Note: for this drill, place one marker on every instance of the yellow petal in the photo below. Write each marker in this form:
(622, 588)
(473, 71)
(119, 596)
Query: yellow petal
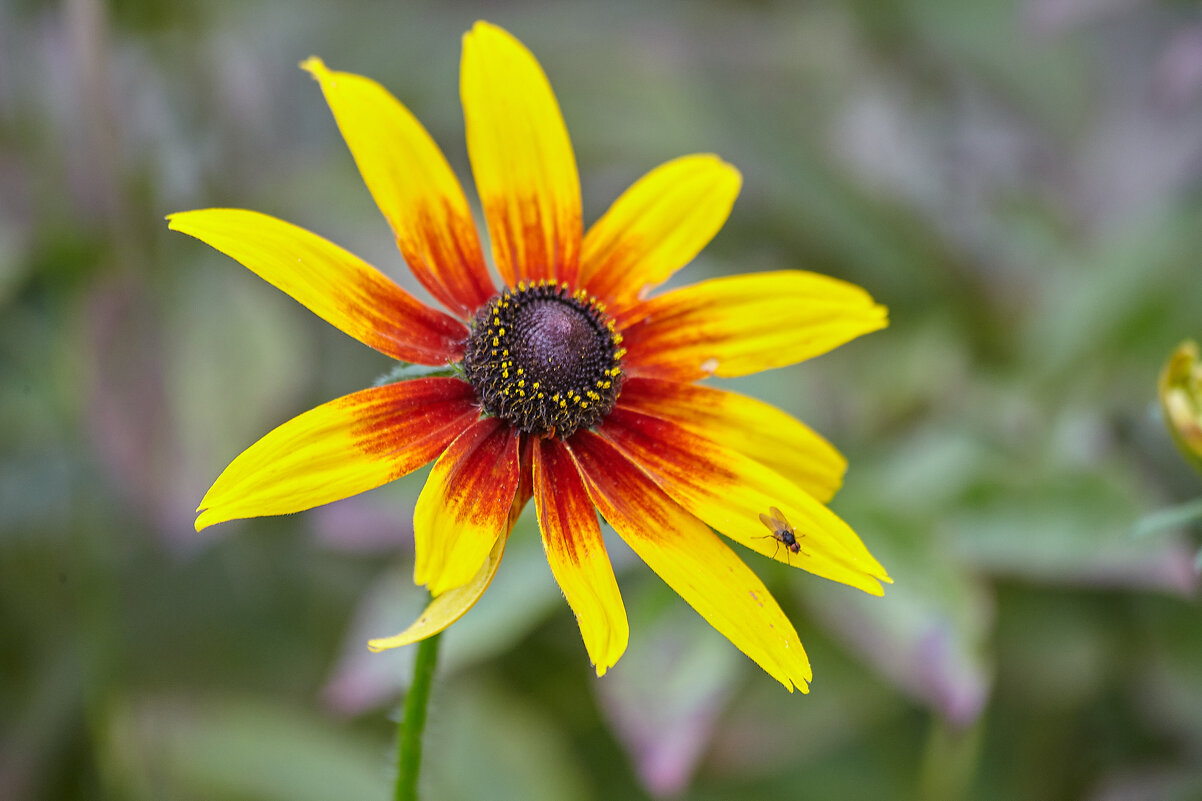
(465, 505)
(691, 560)
(749, 426)
(453, 604)
(337, 286)
(414, 187)
(656, 227)
(576, 554)
(522, 158)
(445, 609)
(729, 491)
(342, 448)
(743, 324)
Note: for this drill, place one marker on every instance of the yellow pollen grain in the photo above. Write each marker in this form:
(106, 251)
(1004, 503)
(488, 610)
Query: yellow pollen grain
(495, 342)
(501, 332)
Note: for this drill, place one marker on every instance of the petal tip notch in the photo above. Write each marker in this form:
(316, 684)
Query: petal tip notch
(175, 218)
(204, 519)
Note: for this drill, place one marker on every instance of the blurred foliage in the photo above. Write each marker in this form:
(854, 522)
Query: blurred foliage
(1019, 182)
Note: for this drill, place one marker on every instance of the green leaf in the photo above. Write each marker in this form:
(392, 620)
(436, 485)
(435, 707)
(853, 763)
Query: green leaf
(1172, 517)
(247, 748)
(405, 371)
(485, 743)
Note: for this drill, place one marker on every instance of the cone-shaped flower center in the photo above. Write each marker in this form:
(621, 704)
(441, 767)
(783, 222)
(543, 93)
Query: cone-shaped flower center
(545, 360)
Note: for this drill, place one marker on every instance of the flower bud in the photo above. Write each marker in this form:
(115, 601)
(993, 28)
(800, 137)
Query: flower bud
(1181, 400)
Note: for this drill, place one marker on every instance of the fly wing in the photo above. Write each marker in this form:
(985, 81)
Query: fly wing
(778, 519)
(769, 522)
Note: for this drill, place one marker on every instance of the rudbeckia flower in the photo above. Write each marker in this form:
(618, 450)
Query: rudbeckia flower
(571, 383)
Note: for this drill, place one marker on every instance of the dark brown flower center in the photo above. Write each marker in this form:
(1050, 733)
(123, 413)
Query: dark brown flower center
(544, 359)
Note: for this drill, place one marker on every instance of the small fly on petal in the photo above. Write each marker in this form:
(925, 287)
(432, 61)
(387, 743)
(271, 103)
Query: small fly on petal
(782, 532)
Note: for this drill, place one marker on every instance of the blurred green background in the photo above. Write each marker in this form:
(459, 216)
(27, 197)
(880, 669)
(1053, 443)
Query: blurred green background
(1020, 182)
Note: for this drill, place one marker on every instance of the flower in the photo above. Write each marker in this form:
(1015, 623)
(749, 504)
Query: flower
(1181, 400)
(571, 384)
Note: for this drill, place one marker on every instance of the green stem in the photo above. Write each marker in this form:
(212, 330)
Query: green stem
(949, 761)
(413, 721)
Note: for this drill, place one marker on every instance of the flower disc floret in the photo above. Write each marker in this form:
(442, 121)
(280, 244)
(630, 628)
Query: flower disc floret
(545, 359)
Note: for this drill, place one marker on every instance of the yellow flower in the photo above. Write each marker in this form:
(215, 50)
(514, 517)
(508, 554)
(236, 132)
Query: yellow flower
(569, 383)
(1181, 400)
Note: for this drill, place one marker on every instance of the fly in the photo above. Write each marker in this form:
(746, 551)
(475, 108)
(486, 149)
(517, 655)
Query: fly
(782, 532)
